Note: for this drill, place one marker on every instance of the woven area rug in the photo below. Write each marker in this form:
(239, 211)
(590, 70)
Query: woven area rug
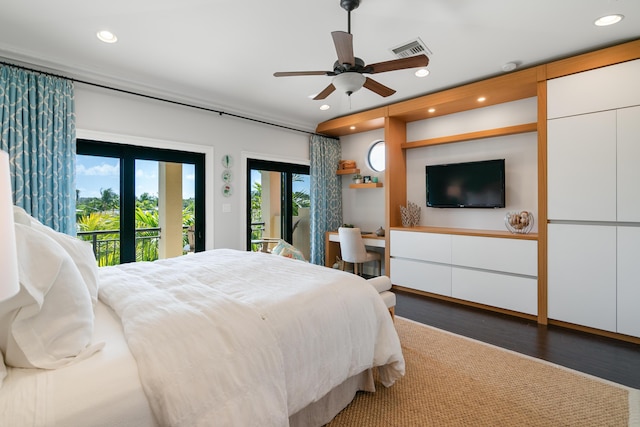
(456, 381)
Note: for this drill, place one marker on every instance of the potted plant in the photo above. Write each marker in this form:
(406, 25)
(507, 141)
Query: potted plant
(357, 178)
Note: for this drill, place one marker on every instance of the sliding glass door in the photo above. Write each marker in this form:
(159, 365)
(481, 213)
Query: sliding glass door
(139, 204)
(277, 205)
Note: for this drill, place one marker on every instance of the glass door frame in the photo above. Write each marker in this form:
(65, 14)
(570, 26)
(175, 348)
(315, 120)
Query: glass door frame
(286, 199)
(128, 154)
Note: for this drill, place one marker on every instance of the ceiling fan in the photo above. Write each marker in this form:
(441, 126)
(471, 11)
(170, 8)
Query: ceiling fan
(348, 69)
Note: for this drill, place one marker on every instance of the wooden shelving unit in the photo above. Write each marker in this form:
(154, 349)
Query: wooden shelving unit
(489, 133)
(368, 185)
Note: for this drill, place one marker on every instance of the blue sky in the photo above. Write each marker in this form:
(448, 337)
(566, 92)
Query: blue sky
(94, 173)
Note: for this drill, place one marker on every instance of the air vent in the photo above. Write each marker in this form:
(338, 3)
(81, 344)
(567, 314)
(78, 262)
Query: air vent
(411, 48)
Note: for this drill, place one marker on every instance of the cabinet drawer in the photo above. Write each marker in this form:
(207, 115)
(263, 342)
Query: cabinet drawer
(492, 253)
(422, 246)
(499, 290)
(423, 276)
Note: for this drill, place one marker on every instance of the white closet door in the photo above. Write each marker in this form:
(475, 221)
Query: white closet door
(581, 156)
(629, 164)
(629, 281)
(582, 275)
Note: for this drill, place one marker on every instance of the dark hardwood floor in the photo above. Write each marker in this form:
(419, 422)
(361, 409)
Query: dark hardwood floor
(607, 358)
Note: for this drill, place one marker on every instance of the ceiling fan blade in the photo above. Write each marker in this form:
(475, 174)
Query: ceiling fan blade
(303, 73)
(398, 64)
(344, 47)
(378, 88)
(326, 92)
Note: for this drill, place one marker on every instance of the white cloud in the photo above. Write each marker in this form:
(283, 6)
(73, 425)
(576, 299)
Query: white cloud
(98, 170)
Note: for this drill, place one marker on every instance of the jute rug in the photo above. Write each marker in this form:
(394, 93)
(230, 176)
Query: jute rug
(456, 381)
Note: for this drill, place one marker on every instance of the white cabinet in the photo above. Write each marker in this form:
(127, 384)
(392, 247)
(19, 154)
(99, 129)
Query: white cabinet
(581, 167)
(421, 261)
(593, 153)
(628, 161)
(495, 271)
(606, 88)
(582, 275)
(628, 269)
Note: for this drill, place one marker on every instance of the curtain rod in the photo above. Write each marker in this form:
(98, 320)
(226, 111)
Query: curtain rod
(156, 98)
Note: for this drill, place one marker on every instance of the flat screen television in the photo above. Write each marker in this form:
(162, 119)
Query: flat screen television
(466, 185)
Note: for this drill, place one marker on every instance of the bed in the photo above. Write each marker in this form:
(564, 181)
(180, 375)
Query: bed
(221, 337)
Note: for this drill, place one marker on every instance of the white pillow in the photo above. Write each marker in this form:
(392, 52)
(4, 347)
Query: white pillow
(81, 252)
(49, 324)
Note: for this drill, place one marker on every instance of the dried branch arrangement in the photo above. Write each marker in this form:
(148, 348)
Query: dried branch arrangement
(410, 215)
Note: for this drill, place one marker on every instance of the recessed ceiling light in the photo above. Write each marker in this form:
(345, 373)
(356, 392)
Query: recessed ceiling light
(352, 127)
(324, 107)
(431, 110)
(422, 72)
(482, 99)
(107, 36)
(608, 20)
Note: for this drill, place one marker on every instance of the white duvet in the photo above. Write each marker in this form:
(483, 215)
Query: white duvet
(232, 338)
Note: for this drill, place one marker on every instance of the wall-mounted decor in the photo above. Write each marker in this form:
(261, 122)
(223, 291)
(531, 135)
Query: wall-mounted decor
(227, 176)
(227, 190)
(227, 161)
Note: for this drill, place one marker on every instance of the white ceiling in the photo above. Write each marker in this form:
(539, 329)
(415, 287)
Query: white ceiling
(222, 54)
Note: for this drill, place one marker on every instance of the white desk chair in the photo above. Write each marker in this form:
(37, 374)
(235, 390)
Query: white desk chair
(354, 251)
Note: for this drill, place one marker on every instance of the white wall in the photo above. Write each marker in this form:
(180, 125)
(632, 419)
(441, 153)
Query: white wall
(363, 207)
(519, 152)
(113, 116)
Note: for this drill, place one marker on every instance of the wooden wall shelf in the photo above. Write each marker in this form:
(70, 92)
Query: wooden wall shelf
(489, 133)
(347, 171)
(368, 185)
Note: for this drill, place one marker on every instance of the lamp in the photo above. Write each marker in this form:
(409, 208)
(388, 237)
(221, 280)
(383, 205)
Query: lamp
(9, 285)
(349, 82)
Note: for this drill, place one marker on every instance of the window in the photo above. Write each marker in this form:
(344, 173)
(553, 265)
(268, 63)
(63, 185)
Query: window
(139, 204)
(376, 156)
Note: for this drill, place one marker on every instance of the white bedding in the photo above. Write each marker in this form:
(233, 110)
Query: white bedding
(203, 328)
(101, 391)
(251, 338)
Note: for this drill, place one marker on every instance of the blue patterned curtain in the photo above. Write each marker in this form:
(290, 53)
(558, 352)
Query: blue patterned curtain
(326, 192)
(37, 129)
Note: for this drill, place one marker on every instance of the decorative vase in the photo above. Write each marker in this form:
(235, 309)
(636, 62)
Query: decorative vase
(380, 232)
(410, 215)
(519, 222)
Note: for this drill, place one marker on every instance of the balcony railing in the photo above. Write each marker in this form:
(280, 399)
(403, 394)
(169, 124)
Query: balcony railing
(106, 244)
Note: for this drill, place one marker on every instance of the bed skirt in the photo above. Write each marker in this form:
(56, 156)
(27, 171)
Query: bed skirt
(324, 410)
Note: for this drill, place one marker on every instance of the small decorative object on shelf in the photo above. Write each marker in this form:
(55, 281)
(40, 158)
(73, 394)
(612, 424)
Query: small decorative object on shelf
(357, 178)
(347, 164)
(410, 215)
(519, 222)
(380, 232)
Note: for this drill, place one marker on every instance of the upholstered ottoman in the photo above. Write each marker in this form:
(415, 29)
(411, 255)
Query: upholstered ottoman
(382, 284)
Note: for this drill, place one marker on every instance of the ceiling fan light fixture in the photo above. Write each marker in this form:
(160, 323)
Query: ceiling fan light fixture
(349, 82)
